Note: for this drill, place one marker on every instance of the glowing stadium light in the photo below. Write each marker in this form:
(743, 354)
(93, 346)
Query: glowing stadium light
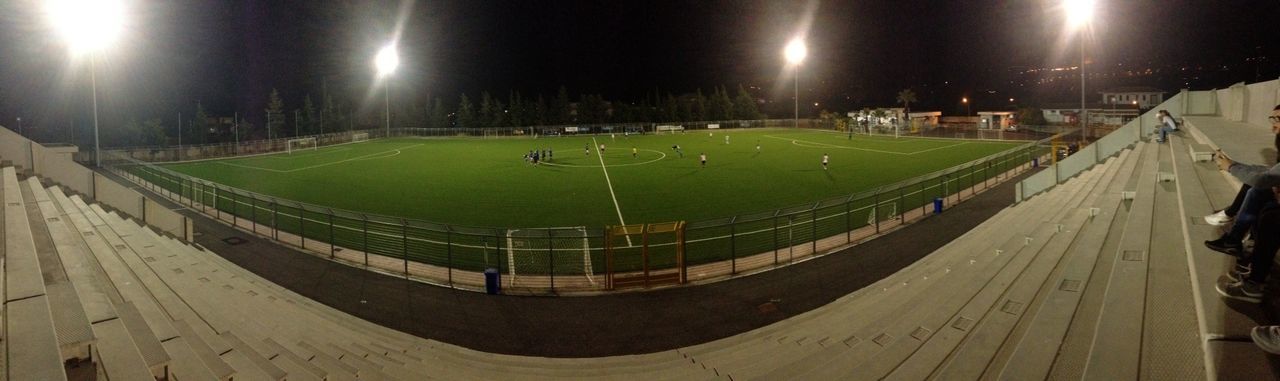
(1079, 12)
(795, 51)
(387, 60)
(87, 25)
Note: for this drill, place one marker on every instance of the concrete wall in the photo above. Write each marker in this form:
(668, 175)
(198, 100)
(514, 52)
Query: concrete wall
(56, 164)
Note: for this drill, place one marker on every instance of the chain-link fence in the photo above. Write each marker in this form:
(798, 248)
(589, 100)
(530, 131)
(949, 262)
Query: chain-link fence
(574, 259)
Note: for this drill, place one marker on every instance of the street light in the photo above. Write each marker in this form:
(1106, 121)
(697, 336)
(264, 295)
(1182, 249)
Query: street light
(965, 100)
(88, 27)
(386, 62)
(795, 53)
(19, 126)
(1079, 14)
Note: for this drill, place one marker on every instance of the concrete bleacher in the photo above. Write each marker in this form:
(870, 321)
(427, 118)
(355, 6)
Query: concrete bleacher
(1003, 300)
(1100, 277)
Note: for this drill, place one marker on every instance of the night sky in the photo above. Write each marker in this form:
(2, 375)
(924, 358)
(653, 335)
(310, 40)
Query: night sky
(229, 55)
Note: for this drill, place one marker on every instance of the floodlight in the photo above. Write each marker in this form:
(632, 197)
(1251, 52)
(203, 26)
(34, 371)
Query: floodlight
(87, 25)
(1079, 12)
(386, 60)
(795, 51)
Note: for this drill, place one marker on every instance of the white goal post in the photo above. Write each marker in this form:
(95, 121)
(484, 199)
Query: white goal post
(530, 253)
(668, 128)
(301, 144)
(360, 137)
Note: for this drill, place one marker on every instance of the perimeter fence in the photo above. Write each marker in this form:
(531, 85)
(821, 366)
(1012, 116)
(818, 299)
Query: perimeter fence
(577, 259)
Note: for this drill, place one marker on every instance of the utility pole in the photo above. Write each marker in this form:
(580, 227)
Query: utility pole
(235, 126)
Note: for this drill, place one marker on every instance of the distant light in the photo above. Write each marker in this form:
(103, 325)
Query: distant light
(815, 104)
(87, 25)
(1011, 99)
(1079, 12)
(387, 60)
(796, 51)
(964, 100)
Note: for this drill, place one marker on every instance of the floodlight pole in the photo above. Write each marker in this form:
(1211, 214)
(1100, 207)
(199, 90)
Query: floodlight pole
(1084, 112)
(19, 126)
(179, 136)
(93, 84)
(386, 87)
(797, 100)
(235, 127)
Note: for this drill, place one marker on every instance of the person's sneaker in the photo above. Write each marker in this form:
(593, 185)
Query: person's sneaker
(1225, 246)
(1245, 291)
(1218, 218)
(1267, 338)
(1238, 273)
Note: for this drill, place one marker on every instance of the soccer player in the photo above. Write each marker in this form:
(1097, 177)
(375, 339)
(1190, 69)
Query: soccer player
(586, 149)
(678, 150)
(726, 138)
(825, 159)
(601, 149)
(757, 146)
(703, 156)
(633, 152)
(550, 154)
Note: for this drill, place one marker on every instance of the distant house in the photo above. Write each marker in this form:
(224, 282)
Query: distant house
(1099, 113)
(995, 120)
(1144, 97)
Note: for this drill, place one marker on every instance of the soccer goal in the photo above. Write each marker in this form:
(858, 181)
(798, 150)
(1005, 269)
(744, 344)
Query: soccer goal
(301, 144)
(360, 137)
(535, 256)
(668, 129)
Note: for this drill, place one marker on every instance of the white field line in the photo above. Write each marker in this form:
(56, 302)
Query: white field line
(318, 152)
(746, 233)
(600, 155)
(368, 156)
(828, 145)
(244, 156)
(664, 156)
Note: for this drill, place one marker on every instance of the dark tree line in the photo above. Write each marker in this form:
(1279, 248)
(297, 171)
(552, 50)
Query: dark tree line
(516, 110)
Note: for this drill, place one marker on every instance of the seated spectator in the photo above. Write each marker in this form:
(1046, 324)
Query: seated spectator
(1260, 179)
(1222, 217)
(1167, 125)
(1250, 273)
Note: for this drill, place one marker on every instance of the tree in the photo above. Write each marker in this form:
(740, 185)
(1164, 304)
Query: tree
(439, 115)
(559, 112)
(539, 117)
(466, 113)
(516, 116)
(1031, 116)
(309, 123)
(700, 106)
(488, 110)
(720, 106)
(905, 97)
(744, 105)
(152, 133)
(198, 129)
(275, 113)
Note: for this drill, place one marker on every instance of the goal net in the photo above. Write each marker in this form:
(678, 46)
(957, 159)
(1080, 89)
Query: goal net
(360, 137)
(668, 129)
(301, 144)
(534, 256)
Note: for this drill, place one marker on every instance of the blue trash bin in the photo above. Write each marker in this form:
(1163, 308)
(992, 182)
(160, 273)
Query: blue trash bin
(492, 281)
(937, 205)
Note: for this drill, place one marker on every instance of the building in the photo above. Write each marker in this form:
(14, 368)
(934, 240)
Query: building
(995, 120)
(1099, 113)
(1144, 97)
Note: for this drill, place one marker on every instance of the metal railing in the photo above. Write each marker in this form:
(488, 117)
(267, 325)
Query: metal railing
(566, 260)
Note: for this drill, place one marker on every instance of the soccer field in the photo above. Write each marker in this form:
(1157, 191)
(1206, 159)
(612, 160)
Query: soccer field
(485, 182)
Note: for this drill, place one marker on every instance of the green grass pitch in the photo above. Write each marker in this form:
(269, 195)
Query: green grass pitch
(485, 182)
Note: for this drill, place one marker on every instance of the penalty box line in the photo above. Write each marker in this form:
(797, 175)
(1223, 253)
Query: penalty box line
(608, 182)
